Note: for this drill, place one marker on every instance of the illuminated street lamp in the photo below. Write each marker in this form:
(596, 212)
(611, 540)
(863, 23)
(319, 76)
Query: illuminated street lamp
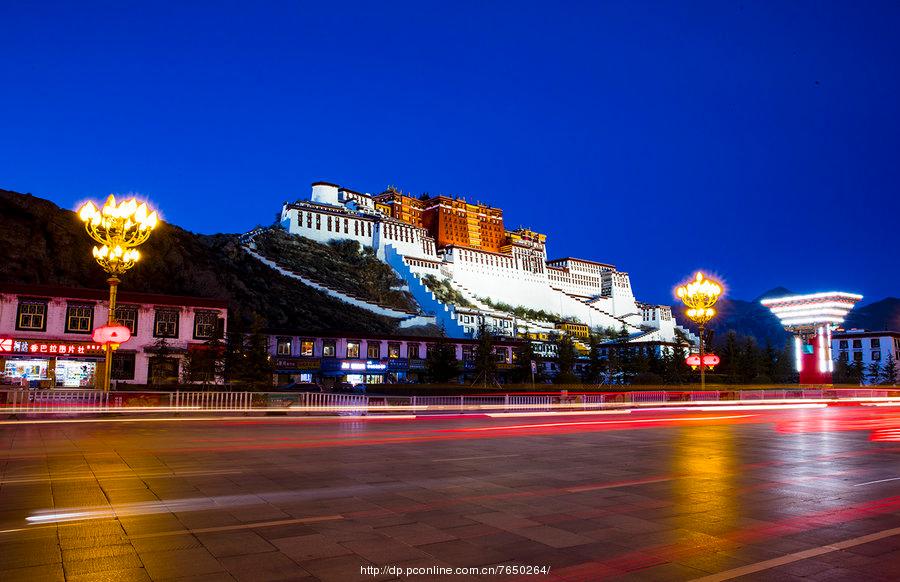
(119, 228)
(699, 296)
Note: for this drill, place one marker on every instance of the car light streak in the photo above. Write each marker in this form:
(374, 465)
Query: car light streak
(596, 422)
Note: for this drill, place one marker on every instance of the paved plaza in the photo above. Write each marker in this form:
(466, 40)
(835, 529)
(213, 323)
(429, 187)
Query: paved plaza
(790, 494)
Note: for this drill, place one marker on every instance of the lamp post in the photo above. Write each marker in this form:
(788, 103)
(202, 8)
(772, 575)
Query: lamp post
(119, 228)
(699, 296)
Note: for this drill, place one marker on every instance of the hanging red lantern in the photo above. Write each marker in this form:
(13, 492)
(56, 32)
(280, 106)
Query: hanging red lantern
(111, 334)
(693, 361)
(711, 360)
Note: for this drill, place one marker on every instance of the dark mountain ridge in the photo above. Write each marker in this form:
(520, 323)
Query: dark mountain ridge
(45, 244)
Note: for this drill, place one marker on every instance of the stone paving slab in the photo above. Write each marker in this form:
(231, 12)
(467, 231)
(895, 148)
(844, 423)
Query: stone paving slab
(203, 501)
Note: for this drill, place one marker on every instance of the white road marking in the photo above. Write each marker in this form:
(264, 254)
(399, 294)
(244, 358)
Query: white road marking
(879, 481)
(798, 556)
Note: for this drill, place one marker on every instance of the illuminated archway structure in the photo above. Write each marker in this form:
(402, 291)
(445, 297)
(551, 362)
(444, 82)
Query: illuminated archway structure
(810, 319)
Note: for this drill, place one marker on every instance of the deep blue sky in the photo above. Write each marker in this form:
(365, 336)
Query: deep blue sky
(759, 140)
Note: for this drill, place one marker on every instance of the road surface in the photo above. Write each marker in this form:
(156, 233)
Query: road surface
(792, 493)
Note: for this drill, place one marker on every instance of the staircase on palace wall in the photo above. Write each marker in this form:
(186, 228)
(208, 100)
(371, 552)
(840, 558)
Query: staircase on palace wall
(405, 318)
(444, 314)
(587, 302)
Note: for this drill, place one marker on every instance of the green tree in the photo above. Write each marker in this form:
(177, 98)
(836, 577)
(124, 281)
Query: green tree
(596, 363)
(565, 359)
(485, 358)
(675, 371)
(441, 364)
(841, 370)
(730, 364)
(874, 375)
(857, 372)
(889, 371)
(163, 366)
(205, 363)
(521, 373)
(247, 359)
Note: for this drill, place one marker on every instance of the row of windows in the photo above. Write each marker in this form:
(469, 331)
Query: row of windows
(32, 316)
(858, 356)
(333, 224)
(284, 347)
(874, 342)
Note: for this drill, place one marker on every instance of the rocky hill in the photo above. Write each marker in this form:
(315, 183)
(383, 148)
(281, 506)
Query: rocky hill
(45, 244)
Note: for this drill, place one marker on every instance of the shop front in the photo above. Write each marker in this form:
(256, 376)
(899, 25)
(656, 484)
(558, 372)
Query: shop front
(49, 364)
(355, 372)
(296, 370)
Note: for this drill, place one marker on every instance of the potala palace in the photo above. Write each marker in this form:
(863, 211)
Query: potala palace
(461, 264)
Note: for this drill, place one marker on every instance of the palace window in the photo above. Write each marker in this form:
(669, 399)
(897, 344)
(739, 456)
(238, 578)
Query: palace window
(309, 220)
(79, 318)
(127, 315)
(412, 350)
(857, 356)
(329, 224)
(857, 344)
(393, 350)
(205, 323)
(318, 222)
(32, 315)
(373, 350)
(876, 342)
(166, 323)
(283, 346)
(306, 347)
(346, 226)
(328, 349)
(352, 348)
(876, 355)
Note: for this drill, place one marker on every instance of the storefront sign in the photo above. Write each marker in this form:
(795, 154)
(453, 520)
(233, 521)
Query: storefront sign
(297, 363)
(397, 364)
(416, 364)
(361, 366)
(49, 348)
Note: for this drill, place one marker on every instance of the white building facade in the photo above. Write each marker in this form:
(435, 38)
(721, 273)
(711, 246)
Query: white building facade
(866, 347)
(596, 294)
(45, 335)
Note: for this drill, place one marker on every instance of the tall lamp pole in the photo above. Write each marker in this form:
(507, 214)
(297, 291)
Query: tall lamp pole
(699, 296)
(118, 228)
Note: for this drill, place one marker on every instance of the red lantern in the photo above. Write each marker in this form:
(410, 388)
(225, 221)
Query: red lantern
(693, 361)
(711, 360)
(111, 334)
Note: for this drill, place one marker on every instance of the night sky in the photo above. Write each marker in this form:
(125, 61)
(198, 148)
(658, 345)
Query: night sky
(758, 140)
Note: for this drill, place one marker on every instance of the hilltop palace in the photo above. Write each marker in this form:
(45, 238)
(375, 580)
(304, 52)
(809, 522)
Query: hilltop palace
(484, 270)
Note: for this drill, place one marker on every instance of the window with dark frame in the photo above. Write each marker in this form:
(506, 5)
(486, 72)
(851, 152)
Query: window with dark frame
(353, 348)
(165, 323)
(283, 346)
(412, 351)
(32, 315)
(205, 323)
(127, 315)
(122, 365)
(79, 318)
(373, 350)
(393, 350)
(328, 349)
(306, 347)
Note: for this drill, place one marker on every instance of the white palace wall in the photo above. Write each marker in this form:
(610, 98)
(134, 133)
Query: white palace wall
(595, 293)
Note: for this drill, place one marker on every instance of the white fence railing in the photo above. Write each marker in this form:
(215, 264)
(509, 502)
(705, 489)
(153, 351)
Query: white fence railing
(76, 401)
